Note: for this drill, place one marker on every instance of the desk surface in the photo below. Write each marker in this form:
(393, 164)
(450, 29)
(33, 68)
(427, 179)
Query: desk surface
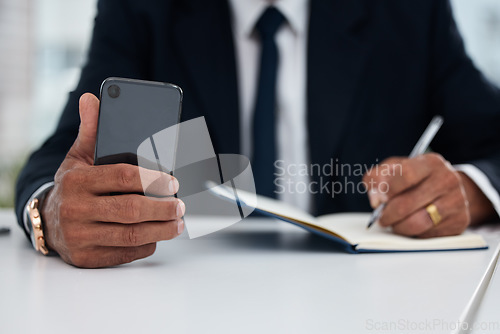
(254, 277)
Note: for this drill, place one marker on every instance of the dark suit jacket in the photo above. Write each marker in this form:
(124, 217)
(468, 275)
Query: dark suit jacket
(377, 73)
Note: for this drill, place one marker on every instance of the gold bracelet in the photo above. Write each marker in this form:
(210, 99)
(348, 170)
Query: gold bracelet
(37, 226)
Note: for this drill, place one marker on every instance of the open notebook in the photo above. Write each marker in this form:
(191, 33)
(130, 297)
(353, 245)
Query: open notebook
(348, 230)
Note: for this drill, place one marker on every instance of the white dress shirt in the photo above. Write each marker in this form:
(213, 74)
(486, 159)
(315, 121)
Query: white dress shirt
(291, 38)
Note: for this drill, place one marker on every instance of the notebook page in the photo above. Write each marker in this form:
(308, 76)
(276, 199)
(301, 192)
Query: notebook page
(352, 226)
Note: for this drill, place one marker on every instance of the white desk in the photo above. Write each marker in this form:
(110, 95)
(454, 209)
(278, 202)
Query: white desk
(254, 277)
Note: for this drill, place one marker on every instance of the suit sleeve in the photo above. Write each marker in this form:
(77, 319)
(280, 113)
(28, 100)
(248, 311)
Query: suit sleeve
(469, 103)
(116, 50)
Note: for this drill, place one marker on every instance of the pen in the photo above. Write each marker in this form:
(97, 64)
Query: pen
(421, 146)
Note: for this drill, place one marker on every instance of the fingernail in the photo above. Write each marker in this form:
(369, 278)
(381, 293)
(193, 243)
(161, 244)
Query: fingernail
(376, 198)
(180, 227)
(173, 186)
(181, 208)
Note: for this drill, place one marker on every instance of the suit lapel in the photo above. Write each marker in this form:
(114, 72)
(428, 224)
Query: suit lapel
(335, 64)
(204, 43)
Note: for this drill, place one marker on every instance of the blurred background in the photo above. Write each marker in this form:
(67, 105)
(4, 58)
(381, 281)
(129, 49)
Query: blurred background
(43, 45)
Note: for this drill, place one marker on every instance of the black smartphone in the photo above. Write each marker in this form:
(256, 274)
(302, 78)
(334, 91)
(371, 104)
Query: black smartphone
(131, 111)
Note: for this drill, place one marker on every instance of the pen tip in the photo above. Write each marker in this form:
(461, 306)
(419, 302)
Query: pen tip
(369, 225)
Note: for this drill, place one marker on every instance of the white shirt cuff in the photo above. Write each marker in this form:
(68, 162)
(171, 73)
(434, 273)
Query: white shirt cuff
(482, 181)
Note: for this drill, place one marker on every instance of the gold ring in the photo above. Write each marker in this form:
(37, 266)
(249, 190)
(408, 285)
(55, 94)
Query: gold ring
(433, 212)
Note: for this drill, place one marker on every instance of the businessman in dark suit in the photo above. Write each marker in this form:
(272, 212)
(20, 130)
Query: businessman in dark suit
(371, 76)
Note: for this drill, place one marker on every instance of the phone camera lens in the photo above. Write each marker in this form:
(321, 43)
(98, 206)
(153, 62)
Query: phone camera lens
(113, 91)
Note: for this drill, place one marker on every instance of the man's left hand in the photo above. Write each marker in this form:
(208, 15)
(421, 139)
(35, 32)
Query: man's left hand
(409, 186)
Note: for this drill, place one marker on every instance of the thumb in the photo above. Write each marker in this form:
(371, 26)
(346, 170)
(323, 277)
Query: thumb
(84, 146)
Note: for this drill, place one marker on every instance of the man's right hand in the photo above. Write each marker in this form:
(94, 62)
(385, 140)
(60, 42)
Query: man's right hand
(90, 227)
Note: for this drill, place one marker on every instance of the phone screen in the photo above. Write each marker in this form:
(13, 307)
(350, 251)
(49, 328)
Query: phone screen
(130, 112)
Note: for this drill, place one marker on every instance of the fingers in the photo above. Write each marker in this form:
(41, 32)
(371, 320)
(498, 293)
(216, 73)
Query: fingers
(395, 176)
(85, 143)
(455, 223)
(416, 224)
(133, 235)
(131, 209)
(409, 174)
(137, 221)
(100, 257)
(454, 220)
(420, 223)
(376, 180)
(410, 201)
(124, 178)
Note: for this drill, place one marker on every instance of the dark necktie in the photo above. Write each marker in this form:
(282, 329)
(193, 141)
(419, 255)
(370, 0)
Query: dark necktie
(264, 124)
